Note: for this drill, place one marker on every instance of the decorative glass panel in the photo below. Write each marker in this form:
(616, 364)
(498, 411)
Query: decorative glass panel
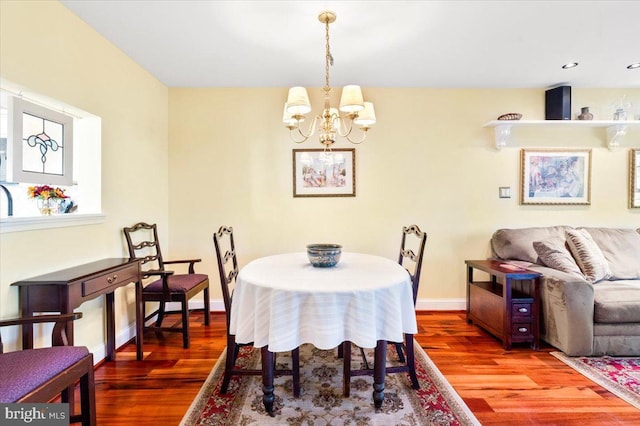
(42, 143)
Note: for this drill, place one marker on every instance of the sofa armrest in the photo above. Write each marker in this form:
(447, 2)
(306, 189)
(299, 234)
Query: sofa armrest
(567, 305)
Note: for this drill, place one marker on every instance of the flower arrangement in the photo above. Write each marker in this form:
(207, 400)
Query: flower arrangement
(46, 192)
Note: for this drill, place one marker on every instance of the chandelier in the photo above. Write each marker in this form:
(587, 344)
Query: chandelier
(356, 111)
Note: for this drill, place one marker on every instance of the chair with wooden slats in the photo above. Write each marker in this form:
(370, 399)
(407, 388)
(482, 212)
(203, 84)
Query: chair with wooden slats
(411, 252)
(228, 269)
(142, 242)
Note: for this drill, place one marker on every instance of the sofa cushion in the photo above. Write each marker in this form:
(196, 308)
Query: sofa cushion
(617, 302)
(588, 255)
(555, 254)
(621, 249)
(518, 243)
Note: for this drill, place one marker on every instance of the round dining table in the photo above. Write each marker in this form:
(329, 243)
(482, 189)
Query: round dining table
(281, 302)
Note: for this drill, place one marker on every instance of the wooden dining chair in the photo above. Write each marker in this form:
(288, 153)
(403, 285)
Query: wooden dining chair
(40, 375)
(412, 246)
(228, 269)
(142, 242)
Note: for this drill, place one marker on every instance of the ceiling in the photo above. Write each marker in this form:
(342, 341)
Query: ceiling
(448, 44)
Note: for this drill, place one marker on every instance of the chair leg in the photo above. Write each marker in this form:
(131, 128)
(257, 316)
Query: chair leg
(346, 368)
(400, 352)
(185, 322)
(411, 361)
(232, 351)
(160, 314)
(295, 367)
(88, 398)
(207, 310)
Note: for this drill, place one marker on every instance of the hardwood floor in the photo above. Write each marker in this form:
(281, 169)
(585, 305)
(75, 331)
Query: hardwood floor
(519, 387)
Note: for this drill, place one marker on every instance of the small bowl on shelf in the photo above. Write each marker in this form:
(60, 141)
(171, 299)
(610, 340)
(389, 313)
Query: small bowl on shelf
(324, 255)
(512, 116)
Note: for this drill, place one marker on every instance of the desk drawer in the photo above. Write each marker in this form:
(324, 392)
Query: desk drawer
(107, 282)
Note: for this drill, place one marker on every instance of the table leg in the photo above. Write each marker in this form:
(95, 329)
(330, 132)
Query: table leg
(25, 311)
(379, 373)
(111, 327)
(139, 321)
(267, 379)
(346, 368)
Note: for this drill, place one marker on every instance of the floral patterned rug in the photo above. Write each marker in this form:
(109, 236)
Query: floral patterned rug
(618, 375)
(321, 401)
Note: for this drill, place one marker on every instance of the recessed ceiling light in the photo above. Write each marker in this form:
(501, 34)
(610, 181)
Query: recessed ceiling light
(569, 65)
(634, 66)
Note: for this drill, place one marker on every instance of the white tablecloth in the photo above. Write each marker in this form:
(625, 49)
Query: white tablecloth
(282, 302)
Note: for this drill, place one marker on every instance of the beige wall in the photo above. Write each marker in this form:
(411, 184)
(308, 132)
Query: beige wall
(428, 161)
(193, 159)
(46, 48)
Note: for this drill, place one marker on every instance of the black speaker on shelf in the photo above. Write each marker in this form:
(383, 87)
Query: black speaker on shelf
(557, 103)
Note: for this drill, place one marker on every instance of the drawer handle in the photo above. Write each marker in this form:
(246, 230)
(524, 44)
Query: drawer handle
(523, 310)
(523, 329)
(112, 279)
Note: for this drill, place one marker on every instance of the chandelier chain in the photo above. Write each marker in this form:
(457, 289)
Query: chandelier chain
(328, 57)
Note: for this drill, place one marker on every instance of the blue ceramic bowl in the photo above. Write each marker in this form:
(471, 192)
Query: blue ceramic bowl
(324, 255)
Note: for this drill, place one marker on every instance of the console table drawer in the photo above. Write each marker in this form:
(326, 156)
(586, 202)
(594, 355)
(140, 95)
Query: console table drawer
(101, 284)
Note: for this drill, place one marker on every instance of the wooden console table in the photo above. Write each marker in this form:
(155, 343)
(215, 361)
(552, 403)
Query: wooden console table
(65, 290)
(508, 305)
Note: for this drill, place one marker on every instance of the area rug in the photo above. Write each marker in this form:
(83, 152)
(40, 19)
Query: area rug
(321, 401)
(618, 375)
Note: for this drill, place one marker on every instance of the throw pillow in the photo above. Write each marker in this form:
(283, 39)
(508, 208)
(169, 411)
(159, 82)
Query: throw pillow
(588, 255)
(555, 254)
(621, 249)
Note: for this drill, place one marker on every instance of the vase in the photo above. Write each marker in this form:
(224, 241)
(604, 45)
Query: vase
(620, 114)
(585, 114)
(47, 206)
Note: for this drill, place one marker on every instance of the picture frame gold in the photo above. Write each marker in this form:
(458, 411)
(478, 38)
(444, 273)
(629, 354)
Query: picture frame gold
(555, 177)
(324, 173)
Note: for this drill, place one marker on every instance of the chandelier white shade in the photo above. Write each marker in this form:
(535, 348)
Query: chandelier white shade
(356, 111)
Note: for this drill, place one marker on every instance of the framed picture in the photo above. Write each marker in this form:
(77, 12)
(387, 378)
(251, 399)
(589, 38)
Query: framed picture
(556, 176)
(634, 178)
(324, 173)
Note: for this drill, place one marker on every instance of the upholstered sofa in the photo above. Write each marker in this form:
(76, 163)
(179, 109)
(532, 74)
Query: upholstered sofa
(590, 289)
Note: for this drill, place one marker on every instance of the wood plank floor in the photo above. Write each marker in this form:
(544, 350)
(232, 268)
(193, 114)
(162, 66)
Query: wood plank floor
(518, 387)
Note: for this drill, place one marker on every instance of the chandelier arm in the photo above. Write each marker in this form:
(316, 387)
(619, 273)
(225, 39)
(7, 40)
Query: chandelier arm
(305, 136)
(357, 142)
(343, 130)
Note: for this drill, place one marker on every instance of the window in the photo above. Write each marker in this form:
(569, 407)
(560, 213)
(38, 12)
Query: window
(46, 142)
(40, 145)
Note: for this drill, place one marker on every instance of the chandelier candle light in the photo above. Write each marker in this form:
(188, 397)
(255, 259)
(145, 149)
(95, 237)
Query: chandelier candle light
(356, 110)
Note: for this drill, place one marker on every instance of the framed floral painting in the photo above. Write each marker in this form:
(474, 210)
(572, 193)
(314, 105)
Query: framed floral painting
(555, 176)
(634, 178)
(324, 173)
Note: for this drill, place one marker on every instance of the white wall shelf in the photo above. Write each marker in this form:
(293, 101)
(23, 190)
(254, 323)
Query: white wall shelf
(616, 129)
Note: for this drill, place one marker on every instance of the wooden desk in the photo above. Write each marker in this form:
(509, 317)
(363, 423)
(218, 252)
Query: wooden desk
(65, 290)
(508, 305)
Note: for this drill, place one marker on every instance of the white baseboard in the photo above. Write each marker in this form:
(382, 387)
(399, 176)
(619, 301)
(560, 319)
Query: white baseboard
(217, 305)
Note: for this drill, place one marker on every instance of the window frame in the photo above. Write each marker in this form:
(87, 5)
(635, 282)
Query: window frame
(15, 140)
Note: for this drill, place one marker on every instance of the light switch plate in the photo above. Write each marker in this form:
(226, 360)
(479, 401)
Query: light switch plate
(504, 191)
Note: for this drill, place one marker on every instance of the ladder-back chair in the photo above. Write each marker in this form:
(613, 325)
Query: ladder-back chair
(228, 269)
(142, 242)
(411, 252)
